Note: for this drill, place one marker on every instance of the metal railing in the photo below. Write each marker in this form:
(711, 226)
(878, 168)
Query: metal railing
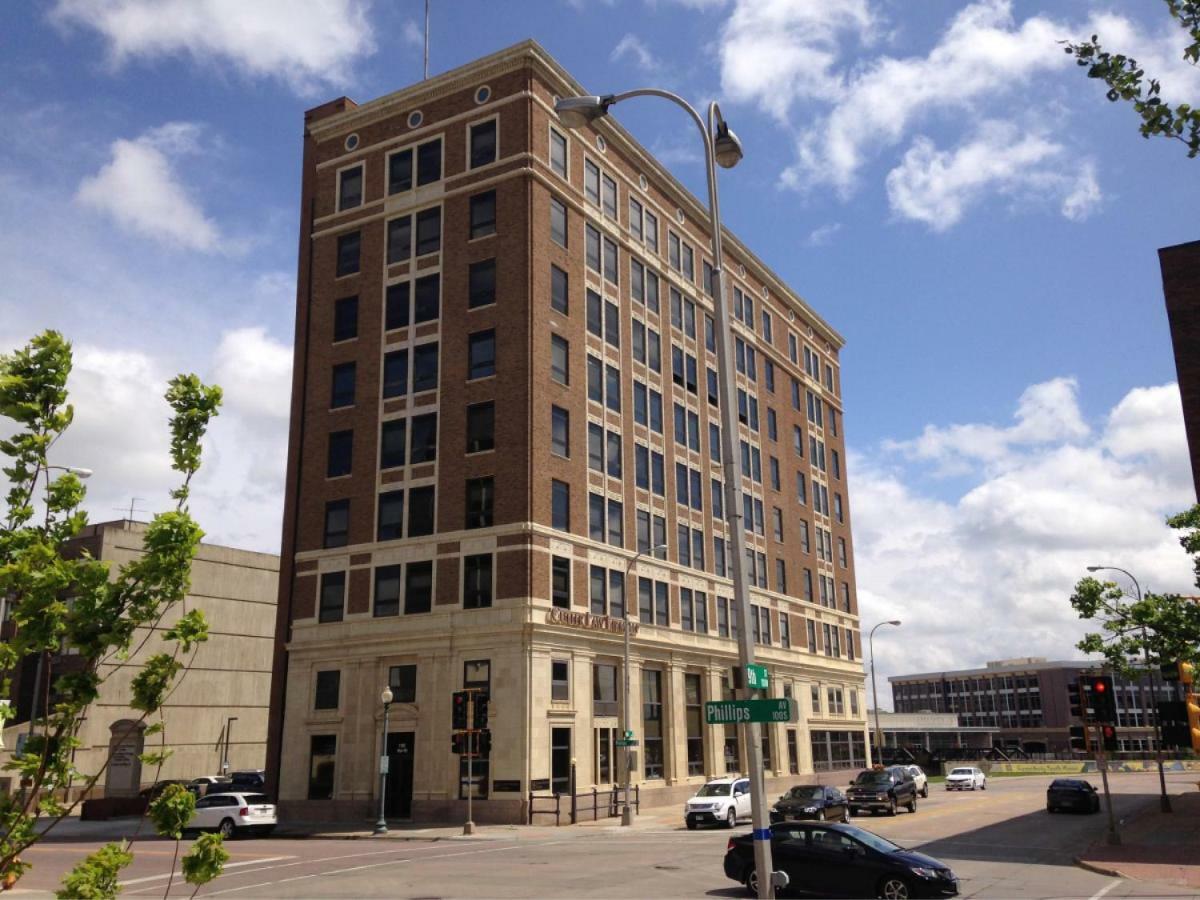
(596, 804)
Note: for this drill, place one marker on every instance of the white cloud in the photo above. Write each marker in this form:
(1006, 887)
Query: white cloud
(413, 34)
(308, 45)
(822, 236)
(257, 372)
(774, 52)
(630, 46)
(986, 573)
(139, 189)
(938, 187)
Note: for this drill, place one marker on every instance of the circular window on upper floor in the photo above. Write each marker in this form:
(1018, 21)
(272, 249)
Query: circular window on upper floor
(601, 143)
(351, 141)
(483, 95)
(643, 182)
(679, 216)
(415, 118)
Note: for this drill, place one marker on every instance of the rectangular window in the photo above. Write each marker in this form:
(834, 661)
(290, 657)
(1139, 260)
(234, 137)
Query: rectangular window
(604, 690)
(420, 511)
(560, 502)
(609, 197)
(613, 455)
(591, 237)
(652, 235)
(423, 447)
(429, 162)
(481, 354)
(395, 374)
(694, 718)
(345, 319)
(722, 617)
(403, 682)
(595, 313)
(559, 290)
(616, 523)
(333, 597)
(481, 427)
(399, 239)
(635, 219)
(348, 248)
(558, 221)
(652, 727)
(480, 500)
(481, 279)
(560, 431)
(662, 604)
(483, 214)
(558, 153)
(686, 610)
(429, 231)
(398, 307)
(483, 143)
(387, 591)
(591, 182)
(560, 582)
(340, 459)
(400, 172)
(418, 588)
(560, 685)
(322, 758)
(477, 581)
(391, 516)
(560, 351)
(337, 523)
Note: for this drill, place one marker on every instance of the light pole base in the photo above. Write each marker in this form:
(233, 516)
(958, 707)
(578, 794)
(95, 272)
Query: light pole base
(468, 828)
(626, 815)
(1165, 803)
(1114, 838)
(380, 827)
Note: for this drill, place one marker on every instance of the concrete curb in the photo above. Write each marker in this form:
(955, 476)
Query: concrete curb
(1098, 869)
(413, 838)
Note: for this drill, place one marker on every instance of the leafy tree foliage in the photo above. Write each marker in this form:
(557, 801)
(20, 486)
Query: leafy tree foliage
(56, 600)
(1127, 81)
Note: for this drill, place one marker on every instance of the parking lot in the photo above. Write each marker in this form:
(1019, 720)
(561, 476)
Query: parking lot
(1001, 843)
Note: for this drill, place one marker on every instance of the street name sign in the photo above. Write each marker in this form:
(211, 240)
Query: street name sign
(756, 676)
(733, 712)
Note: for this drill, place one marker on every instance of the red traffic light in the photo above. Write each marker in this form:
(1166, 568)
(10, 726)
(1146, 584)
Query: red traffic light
(1100, 685)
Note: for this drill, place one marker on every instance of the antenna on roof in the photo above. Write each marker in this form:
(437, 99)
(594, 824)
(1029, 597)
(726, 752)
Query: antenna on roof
(426, 39)
(132, 508)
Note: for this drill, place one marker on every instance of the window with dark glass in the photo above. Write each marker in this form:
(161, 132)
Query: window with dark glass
(399, 239)
(694, 717)
(342, 386)
(345, 319)
(398, 309)
(558, 153)
(481, 497)
(424, 439)
(662, 608)
(395, 373)
(329, 683)
(483, 214)
(592, 247)
(391, 516)
(558, 221)
(559, 286)
(420, 511)
(429, 231)
(560, 502)
(387, 591)
(477, 581)
(425, 367)
(612, 324)
(418, 588)
(429, 162)
(560, 582)
(341, 454)
(350, 182)
(560, 431)
(596, 517)
(598, 590)
(322, 756)
(591, 181)
(393, 436)
(595, 313)
(333, 597)
(427, 293)
(604, 690)
(400, 171)
(481, 427)
(560, 351)
(481, 354)
(652, 715)
(403, 682)
(337, 523)
(560, 686)
(348, 247)
(483, 143)
(481, 284)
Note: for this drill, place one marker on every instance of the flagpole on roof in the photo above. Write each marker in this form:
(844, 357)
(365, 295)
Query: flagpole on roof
(426, 39)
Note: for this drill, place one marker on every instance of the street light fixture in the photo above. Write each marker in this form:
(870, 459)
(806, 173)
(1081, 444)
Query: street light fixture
(874, 690)
(1164, 800)
(626, 809)
(385, 697)
(77, 471)
(721, 147)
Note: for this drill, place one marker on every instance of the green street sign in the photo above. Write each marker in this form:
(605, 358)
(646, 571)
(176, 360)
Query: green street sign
(628, 733)
(732, 712)
(626, 742)
(756, 676)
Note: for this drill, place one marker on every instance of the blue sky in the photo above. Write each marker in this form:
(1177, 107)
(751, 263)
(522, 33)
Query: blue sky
(937, 179)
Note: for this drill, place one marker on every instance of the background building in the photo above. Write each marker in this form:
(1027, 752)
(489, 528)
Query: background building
(1181, 287)
(504, 392)
(1025, 702)
(228, 679)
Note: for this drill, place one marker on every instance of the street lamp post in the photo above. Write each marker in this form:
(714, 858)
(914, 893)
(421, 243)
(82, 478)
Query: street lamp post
(874, 690)
(228, 735)
(1164, 799)
(626, 808)
(385, 697)
(721, 147)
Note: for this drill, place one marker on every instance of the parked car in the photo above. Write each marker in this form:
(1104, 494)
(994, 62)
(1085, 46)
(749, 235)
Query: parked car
(724, 801)
(962, 778)
(205, 783)
(834, 860)
(884, 789)
(153, 792)
(235, 813)
(811, 801)
(918, 775)
(253, 779)
(1072, 794)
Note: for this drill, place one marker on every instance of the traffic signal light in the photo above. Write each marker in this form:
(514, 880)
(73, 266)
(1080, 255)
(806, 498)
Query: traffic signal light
(1104, 702)
(481, 710)
(1075, 698)
(459, 716)
(1187, 673)
(1109, 734)
(1193, 718)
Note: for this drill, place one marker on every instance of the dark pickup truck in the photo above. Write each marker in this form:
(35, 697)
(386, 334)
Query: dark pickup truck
(886, 788)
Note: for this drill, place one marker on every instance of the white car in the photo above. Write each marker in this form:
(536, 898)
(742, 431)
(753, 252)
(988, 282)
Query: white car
(722, 801)
(918, 775)
(205, 783)
(231, 814)
(965, 778)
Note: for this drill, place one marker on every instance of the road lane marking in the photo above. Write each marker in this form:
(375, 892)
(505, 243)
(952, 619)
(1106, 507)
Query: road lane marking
(179, 874)
(1104, 890)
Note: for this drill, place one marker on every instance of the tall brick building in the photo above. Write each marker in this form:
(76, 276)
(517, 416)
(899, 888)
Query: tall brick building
(504, 390)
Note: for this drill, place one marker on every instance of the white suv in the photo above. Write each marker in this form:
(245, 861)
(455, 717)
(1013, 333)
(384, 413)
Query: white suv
(918, 775)
(230, 814)
(724, 800)
(965, 778)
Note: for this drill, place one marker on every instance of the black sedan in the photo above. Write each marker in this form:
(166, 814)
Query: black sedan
(833, 860)
(811, 801)
(1072, 794)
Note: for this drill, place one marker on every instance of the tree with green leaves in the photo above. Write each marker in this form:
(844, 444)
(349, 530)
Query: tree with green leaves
(1127, 81)
(56, 600)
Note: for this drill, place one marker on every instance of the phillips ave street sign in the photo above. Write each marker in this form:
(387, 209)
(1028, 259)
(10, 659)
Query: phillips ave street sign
(732, 712)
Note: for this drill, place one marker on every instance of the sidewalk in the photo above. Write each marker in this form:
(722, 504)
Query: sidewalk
(1155, 846)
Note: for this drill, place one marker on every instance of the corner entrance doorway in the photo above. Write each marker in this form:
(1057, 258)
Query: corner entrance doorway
(400, 748)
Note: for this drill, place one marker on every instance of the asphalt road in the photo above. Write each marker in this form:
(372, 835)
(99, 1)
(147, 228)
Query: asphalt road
(1001, 843)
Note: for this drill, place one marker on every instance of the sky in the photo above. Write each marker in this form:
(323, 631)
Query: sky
(938, 180)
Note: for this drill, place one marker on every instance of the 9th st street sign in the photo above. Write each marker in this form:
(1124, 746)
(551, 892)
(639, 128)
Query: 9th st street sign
(733, 712)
